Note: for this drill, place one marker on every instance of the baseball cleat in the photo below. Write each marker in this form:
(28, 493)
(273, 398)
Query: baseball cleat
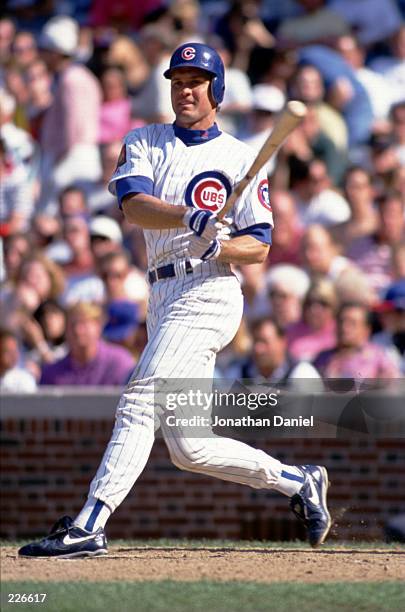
(309, 505)
(66, 540)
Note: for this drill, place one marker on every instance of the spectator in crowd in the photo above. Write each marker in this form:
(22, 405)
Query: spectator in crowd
(42, 275)
(73, 202)
(18, 143)
(343, 90)
(316, 331)
(13, 376)
(267, 101)
(39, 83)
(14, 83)
(15, 248)
(69, 131)
(392, 318)
(318, 23)
(115, 114)
(391, 155)
(392, 67)
(99, 198)
(24, 49)
(378, 89)
(122, 52)
(153, 102)
(286, 288)
(186, 16)
(286, 240)
(354, 356)
(373, 252)
(124, 16)
(309, 141)
(253, 283)
(37, 279)
(316, 199)
(90, 360)
(398, 261)
(57, 122)
(359, 193)
(44, 335)
(122, 323)
(244, 32)
(237, 100)
(7, 33)
(397, 182)
(15, 195)
(269, 359)
(123, 281)
(307, 85)
(322, 259)
(372, 20)
(105, 236)
(82, 283)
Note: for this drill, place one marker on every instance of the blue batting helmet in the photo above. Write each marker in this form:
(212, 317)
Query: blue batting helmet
(197, 55)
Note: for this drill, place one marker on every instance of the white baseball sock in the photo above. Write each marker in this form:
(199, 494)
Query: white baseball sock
(290, 480)
(93, 515)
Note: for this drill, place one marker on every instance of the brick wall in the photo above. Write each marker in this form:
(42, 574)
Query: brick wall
(48, 460)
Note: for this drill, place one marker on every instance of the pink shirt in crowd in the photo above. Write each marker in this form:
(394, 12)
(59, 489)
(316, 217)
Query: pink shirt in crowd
(73, 117)
(369, 361)
(113, 365)
(116, 121)
(373, 259)
(305, 343)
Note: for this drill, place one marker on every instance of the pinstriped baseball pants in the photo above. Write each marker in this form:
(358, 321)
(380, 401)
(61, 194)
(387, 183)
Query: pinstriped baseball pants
(189, 320)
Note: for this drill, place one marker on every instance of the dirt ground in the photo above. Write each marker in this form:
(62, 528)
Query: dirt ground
(220, 564)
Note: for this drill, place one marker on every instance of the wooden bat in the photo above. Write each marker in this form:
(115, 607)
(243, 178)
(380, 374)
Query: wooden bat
(287, 122)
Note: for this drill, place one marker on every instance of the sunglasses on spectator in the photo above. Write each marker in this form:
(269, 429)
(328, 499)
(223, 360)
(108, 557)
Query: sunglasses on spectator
(113, 274)
(320, 302)
(97, 238)
(279, 294)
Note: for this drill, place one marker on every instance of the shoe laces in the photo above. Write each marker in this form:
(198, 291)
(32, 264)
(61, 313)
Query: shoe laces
(62, 524)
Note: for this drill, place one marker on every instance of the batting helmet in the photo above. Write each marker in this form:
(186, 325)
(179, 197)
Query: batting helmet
(197, 55)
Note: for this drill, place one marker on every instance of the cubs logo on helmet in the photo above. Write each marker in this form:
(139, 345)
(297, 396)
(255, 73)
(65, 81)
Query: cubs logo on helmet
(188, 53)
(263, 194)
(208, 191)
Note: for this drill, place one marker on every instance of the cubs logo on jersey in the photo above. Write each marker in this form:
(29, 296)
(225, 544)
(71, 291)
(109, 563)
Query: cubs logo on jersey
(208, 191)
(188, 53)
(263, 194)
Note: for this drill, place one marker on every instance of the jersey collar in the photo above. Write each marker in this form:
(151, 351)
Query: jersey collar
(196, 137)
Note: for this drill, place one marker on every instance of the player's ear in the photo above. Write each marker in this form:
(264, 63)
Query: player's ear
(211, 97)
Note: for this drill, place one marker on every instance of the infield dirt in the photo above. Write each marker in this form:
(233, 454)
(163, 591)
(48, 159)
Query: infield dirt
(136, 563)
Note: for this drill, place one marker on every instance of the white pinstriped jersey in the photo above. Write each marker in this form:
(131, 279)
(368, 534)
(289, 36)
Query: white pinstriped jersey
(201, 175)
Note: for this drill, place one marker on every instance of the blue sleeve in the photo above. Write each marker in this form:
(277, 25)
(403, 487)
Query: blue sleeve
(260, 231)
(133, 184)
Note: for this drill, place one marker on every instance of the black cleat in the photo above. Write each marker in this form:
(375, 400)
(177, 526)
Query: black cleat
(309, 505)
(67, 540)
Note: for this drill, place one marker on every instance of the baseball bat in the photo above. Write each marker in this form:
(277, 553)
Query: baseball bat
(293, 114)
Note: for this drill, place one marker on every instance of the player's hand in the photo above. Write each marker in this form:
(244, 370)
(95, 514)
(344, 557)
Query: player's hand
(200, 248)
(203, 223)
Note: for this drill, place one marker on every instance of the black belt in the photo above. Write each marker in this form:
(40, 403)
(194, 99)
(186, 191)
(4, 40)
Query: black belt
(166, 272)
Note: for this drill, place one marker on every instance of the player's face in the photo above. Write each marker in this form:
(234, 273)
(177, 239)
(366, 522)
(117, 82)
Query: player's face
(191, 98)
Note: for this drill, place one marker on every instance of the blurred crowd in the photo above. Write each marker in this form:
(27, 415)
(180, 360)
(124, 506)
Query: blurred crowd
(75, 76)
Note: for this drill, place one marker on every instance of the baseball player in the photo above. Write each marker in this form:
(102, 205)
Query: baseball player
(172, 180)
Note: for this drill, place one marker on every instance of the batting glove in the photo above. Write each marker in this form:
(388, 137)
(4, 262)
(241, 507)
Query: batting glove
(203, 249)
(203, 223)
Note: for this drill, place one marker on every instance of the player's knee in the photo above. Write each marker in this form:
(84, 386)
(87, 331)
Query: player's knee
(190, 459)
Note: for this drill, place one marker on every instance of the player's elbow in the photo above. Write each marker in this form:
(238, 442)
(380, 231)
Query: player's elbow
(134, 211)
(262, 253)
